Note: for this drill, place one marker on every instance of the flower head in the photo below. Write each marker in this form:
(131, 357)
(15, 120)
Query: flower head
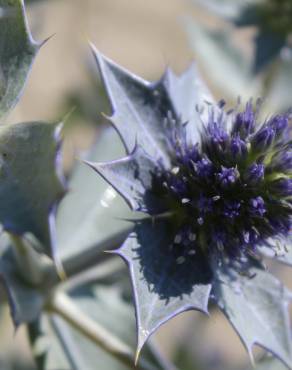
(236, 181)
(216, 186)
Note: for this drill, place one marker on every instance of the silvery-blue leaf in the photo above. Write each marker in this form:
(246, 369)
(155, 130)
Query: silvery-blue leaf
(163, 285)
(131, 176)
(138, 105)
(263, 301)
(17, 52)
(31, 180)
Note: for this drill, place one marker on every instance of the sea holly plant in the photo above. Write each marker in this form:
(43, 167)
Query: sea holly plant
(209, 191)
(215, 188)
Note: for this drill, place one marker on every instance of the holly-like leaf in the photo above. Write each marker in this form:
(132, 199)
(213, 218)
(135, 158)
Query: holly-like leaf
(31, 183)
(17, 52)
(142, 104)
(162, 286)
(131, 176)
(263, 301)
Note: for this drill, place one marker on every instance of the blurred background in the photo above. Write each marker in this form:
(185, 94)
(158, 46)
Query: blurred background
(145, 37)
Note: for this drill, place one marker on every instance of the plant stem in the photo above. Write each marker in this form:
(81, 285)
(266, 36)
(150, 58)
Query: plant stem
(62, 305)
(110, 267)
(82, 261)
(32, 266)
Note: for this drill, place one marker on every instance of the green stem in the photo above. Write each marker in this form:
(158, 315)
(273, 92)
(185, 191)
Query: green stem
(83, 260)
(101, 271)
(62, 305)
(32, 266)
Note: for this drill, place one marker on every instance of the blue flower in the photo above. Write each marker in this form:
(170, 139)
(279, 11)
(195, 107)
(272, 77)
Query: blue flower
(216, 190)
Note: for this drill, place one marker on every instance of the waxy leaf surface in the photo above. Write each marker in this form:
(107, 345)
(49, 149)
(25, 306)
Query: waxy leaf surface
(30, 180)
(17, 52)
(162, 288)
(142, 105)
(257, 307)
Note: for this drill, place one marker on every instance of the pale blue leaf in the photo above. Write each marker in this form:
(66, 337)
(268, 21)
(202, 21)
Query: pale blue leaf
(131, 176)
(263, 301)
(138, 105)
(162, 287)
(31, 181)
(17, 52)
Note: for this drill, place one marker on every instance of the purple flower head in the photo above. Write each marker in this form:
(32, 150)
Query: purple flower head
(216, 195)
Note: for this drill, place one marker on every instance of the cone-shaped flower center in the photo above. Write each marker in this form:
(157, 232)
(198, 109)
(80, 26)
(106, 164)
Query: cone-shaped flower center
(233, 191)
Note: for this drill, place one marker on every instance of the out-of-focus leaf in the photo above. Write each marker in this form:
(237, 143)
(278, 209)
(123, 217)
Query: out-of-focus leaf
(17, 52)
(25, 302)
(263, 301)
(269, 363)
(92, 211)
(105, 304)
(47, 349)
(30, 179)
(279, 97)
(228, 9)
(267, 47)
(162, 287)
(216, 54)
(248, 16)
